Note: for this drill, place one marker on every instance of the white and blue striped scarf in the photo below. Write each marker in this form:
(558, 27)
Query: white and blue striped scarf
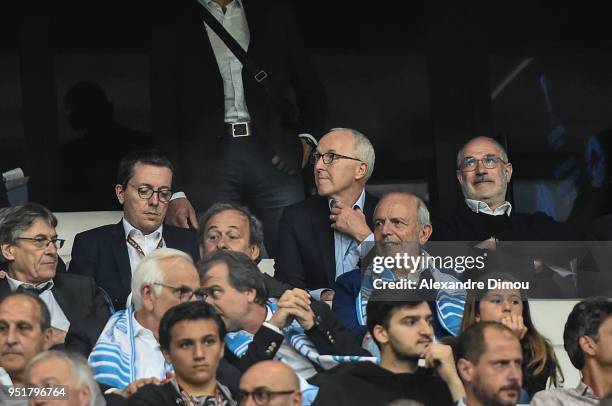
(113, 358)
(239, 341)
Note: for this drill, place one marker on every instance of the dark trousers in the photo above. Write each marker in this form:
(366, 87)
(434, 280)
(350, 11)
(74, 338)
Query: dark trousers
(245, 175)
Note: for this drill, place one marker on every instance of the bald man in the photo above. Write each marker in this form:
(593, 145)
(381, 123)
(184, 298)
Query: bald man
(401, 226)
(270, 383)
(484, 171)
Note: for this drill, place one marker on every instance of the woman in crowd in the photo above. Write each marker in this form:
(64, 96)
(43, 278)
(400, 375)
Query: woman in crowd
(511, 308)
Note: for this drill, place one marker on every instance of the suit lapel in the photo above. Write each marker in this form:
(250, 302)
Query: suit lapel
(120, 253)
(324, 235)
(5, 289)
(60, 297)
(368, 210)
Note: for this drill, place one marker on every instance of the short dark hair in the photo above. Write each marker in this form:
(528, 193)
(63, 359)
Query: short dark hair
(125, 170)
(256, 234)
(381, 307)
(16, 219)
(585, 319)
(243, 272)
(471, 342)
(187, 311)
(45, 315)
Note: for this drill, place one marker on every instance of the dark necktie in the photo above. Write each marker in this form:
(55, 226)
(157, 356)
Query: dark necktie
(32, 289)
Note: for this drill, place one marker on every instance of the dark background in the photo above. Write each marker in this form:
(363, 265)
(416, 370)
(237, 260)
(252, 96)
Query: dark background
(416, 77)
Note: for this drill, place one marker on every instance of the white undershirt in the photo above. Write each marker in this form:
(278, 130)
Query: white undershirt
(148, 242)
(149, 358)
(58, 318)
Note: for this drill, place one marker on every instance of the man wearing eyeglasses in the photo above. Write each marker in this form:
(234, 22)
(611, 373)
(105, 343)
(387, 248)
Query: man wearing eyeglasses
(270, 383)
(321, 238)
(29, 246)
(484, 171)
(127, 354)
(191, 336)
(111, 253)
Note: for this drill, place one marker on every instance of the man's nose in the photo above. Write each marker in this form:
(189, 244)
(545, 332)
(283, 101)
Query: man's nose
(480, 168)
(51, 249)
(11, 337)
(198, 351)
(515, 373)
(154, 199)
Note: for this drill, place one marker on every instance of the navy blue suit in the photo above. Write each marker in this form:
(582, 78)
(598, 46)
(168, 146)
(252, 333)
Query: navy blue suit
(102, 254)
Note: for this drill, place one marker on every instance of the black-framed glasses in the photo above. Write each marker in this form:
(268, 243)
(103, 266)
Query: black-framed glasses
(145, 192)
(43, 242)
(470, 164)
(185, 293)
(261, 395)
(329, 157)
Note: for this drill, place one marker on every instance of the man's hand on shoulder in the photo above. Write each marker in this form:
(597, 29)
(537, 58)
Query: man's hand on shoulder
(181, 214)
(349, 221)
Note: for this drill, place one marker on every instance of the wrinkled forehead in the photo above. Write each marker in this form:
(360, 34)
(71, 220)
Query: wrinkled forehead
(478, 148)
(228, 219)
(19, 309)
(217, 275)
(340, 141)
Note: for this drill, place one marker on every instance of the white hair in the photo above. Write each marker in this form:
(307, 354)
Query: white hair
(422, 216)
(364, 151)
(79, 370)
(149, 272)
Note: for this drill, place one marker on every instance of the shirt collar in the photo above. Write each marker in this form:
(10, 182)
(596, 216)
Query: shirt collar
(584, 390)
(359, 203)
(209, 4)
(14, 283)
(127, 228)
(139, 329)
(478, 206)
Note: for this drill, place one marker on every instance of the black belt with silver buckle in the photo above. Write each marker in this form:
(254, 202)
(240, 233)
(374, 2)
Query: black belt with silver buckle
(238, 129)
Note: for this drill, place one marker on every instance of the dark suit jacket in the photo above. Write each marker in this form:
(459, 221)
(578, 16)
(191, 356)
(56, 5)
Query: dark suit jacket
(329, 337)
(187, 92)
(306, 253)
(82, 303)
(102, 254)
(3, 197)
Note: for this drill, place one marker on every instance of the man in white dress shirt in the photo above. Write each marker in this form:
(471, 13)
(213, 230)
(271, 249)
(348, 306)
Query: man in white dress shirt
(111, 253)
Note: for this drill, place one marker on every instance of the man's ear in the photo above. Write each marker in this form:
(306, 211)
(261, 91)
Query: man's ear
(380, 334)
(465, 369)
(587, 345)
(147, 294)
(251, 294)
(120, 192)
(84, 395)
(167, 357)
(7, 252)
(508, 170)
(47, 339)
(254, 252)
(425, 234)
(361, 170)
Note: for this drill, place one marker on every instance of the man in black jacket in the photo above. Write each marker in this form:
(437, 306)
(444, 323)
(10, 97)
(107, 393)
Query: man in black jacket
(322, 237)
(295, 329)
(29, 246)
(403, 332)
(235, 142)
(110, 253)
